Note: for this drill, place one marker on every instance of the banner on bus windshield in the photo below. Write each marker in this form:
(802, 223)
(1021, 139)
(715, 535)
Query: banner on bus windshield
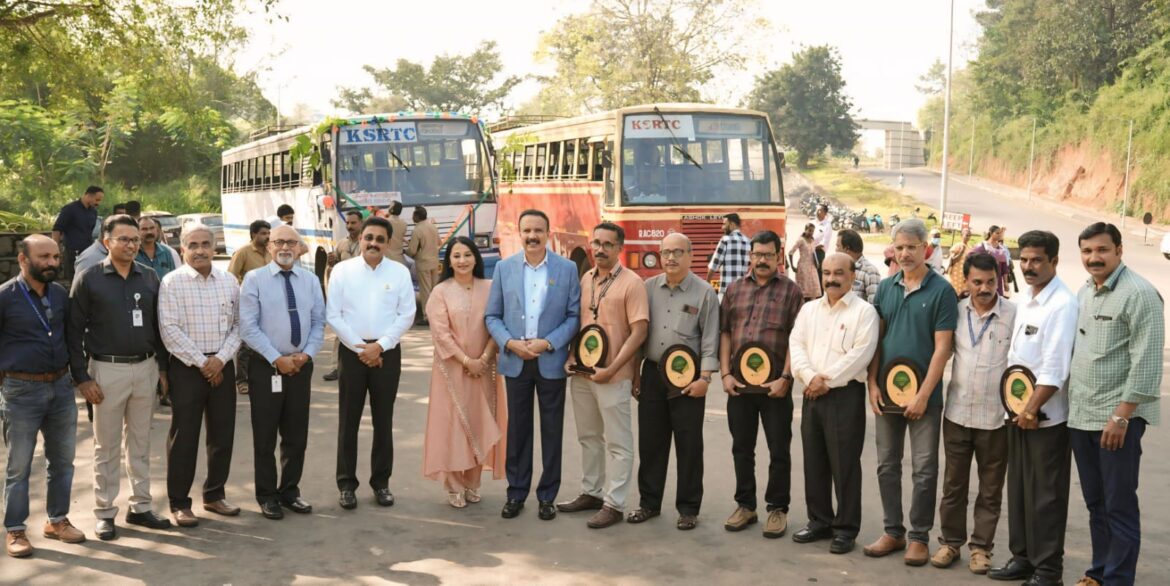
(655, 126)
(390, 132)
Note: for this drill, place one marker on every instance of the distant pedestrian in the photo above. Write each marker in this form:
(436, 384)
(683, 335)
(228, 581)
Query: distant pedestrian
(424, 249)
(74, 226)
(396, 248)
(731, 254)
(806, 267)
(155, 253)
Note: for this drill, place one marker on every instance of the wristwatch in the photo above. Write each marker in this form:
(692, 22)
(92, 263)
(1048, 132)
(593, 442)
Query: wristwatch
(786, 376)
(705, 378)
(1119, 420)
(1028, 415)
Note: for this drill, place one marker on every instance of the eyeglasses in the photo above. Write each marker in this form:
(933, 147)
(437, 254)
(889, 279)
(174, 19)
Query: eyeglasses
(604, 245)
(285, 243)
(672, 252)
(764, 256)
(372, 238)
(127, 241)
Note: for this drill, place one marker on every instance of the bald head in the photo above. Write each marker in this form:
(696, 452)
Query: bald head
(839, 259)
(676, 240)
(675, 252)
(39, 258)
(837, 276)
(285, 245)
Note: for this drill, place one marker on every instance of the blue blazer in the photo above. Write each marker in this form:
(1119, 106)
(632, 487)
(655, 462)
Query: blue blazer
(558, 321)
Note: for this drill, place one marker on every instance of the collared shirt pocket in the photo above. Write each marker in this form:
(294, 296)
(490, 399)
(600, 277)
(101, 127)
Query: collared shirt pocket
(1029, 344)
(1108, 333)
(686, 325)
(837, 339)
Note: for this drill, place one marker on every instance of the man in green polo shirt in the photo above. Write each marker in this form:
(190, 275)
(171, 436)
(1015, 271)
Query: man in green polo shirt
(1113, 391)
(919, 312)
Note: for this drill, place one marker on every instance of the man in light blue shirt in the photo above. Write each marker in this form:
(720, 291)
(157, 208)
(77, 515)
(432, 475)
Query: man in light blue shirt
(533, 313)
(282, 318)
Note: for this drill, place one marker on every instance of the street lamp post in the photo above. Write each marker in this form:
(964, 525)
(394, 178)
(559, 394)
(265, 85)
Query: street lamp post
(1128, 158)
(942, 200)
(971, 163)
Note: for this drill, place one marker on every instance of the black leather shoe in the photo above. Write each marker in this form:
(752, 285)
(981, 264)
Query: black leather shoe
(106, 530)
(148, 520)
(384, 497)
(1038, 580)
(298, 505)
(511, 509)
(842, 544)
(271, 510)
(547, 511)
(348, 499)
(331, 376)
(1013, 571)
(809, 535)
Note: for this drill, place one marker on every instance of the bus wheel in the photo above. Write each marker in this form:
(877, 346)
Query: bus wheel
(578, 256)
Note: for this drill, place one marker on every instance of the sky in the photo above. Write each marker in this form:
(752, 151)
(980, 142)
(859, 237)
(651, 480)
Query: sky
(884, 47)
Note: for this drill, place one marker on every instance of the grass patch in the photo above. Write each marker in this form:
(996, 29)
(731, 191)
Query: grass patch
(836, 179)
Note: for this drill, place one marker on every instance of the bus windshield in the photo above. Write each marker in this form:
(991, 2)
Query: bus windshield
(687, 159)
(419, 162)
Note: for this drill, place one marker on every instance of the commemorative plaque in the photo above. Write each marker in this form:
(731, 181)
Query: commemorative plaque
(590, 349)
(900, 383)
(1016, 388)
(679, 367)
(753, 366)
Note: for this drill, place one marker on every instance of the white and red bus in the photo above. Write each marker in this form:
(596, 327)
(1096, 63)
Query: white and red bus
(652, 169)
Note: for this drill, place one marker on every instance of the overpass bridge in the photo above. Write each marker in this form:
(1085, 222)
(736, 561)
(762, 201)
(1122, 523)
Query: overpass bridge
(904, 145)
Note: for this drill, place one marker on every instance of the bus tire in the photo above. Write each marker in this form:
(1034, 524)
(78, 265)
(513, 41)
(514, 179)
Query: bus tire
(578, 256)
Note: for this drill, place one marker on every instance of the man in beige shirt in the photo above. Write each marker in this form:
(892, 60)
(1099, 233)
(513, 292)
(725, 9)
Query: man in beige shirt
(398, 238)
(424, 249)
(614, 298)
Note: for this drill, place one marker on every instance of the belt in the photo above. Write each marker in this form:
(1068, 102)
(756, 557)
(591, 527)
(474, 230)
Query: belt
(122, 359)
(35, 377)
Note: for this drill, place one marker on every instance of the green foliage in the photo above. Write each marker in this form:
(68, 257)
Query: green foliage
(453, 83)
(807, 103)
(625, 52)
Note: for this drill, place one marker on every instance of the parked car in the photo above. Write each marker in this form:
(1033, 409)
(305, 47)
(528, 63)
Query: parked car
(171, 227)
(213, 221)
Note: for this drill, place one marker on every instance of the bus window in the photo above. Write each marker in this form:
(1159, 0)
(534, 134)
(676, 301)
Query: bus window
(755, 159)
(735, 160)
(435, 154)
(529, 162)
(597, 166)
(554, 160)
(541, 155)
(714, 152)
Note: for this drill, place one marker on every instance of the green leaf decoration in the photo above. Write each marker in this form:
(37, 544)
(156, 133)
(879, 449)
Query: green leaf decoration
(679, 364)
(1018, 389)
(591, 343)
(755, 361)
(901, 380)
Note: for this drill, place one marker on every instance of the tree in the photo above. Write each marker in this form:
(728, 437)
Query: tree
(625, 52)
(807, 103)
(934, 81)
(453, 83)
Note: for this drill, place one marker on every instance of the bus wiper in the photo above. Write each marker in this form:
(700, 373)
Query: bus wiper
(396, 158)
(674, 139)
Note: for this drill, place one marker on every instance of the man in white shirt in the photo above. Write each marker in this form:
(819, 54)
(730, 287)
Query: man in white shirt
(823, 236)
(832, 342)
(1039, 460)
(370, 306)
(973, 418)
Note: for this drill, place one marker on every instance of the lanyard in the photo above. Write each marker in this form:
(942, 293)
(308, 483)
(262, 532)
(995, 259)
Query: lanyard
(595, 305)
(971, 328)
(24, 289)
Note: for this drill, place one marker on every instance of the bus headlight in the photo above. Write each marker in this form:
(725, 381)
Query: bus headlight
(483, 241)
(650, 261)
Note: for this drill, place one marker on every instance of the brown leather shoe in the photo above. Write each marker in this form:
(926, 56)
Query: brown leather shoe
(18, 545)
(185, 518)
(885, 545)
(64, 531)
(776, 525)
(604, 518)
(981, 562)
(917, 554)
(581, 503)
(740, 519)
(222, 507)
(1087, 581)
(945, 556)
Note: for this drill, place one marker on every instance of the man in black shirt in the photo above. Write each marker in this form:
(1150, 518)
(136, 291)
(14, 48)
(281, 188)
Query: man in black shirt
(75, 223)
(116, 354)
(37, 391)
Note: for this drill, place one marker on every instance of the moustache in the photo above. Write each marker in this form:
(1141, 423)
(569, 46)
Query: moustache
(832, 285)
(1030, 274)
(199, 257)
(1096, 265)
(373, 246)
(532, 241)
(763, 265)
(983, 294)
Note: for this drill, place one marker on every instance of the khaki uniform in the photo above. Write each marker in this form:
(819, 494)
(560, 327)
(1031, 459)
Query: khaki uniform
(424, 249)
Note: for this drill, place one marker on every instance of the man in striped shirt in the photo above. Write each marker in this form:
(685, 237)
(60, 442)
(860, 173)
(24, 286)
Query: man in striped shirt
(867, 276)
(732, 254)
(199, 324)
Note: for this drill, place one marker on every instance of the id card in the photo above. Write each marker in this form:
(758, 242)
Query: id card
(136, 317)
(277, 380)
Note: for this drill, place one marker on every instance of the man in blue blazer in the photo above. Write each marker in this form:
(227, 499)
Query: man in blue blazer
(533, 312)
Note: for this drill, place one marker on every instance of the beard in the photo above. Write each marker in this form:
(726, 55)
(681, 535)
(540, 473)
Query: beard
(285, 258)
(43, 274)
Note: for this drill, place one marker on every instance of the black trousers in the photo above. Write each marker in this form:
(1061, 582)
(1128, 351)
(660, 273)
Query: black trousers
(832, 430)
(1039, 470)
(191, 397)
(381, 384)
(243, 360)
(819, 256)
(523, 391)
(660, 420)
(286, 413)
(744, 415)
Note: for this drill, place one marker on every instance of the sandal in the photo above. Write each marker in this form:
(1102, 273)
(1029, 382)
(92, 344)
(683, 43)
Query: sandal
(687, 522)
(471, 495)
(455, 499)
(641, 515)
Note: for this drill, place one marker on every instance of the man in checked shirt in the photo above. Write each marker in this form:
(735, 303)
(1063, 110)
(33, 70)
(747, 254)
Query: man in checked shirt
(760, 309)
(731, 254)
(199, 324)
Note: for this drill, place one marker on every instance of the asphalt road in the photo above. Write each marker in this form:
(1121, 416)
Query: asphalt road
(421, 540)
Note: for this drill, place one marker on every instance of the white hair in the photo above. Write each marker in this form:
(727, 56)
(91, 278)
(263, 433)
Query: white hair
(194, 228)
(913, 227)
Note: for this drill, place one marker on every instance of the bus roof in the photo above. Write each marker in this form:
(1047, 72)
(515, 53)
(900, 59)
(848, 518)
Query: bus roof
(515, 125)
(354, 120)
